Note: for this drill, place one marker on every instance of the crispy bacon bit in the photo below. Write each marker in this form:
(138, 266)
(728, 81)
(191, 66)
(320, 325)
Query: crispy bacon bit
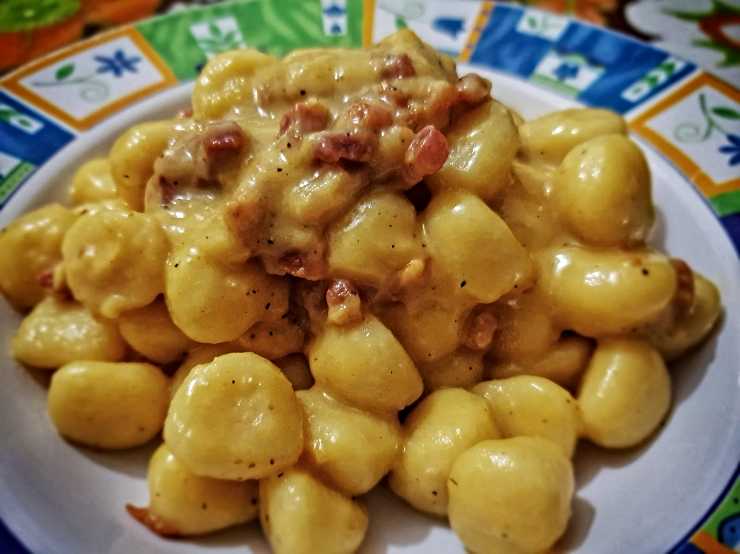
(344, 303)
(425, 155)
(479, 330)
(195, 158)
(370, 115)
(357, 146)
(305, 117)
(46, 279)
(397, 67)
(473, 89)
(302, 265)
(222, 139)
(154, 523)
(684, 297)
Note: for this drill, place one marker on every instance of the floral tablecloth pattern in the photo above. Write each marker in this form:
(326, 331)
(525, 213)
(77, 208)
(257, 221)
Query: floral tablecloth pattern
(678, 93)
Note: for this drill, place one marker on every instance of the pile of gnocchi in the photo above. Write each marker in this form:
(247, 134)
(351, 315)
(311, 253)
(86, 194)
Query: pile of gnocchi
(349, 267)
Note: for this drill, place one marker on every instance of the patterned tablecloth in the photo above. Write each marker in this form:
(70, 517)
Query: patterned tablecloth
(706, 32)
(677, 86)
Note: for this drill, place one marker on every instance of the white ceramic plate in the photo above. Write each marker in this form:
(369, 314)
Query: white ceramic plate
(57, 498)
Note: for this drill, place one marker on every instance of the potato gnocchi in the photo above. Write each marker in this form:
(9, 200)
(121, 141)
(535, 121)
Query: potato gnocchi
(344, 266)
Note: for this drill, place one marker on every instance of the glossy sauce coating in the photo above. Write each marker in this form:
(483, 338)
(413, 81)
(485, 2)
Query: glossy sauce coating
(327, 240)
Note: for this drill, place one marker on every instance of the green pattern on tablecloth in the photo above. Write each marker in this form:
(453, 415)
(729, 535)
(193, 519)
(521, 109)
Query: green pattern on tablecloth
(727, 203)
(728, 508)
(275, 27)
(11, 181)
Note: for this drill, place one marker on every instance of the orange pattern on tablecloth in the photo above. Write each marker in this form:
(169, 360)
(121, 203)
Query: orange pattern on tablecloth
(676, 152)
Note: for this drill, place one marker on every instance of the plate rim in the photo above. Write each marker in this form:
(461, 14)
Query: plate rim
(8, 85)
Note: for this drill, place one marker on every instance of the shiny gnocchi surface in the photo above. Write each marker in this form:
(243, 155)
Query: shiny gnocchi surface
(351, 269)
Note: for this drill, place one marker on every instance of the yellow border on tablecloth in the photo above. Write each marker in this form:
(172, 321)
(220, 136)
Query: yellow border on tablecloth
(480, 21)
(368, 22)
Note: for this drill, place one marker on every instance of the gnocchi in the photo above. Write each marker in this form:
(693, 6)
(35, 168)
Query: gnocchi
(113, 260)
(356, 266)
(352, 449)
(110, 405)
(510, 495)
(182, 503)
(688, 328)
(345, 361)
(233, 299)
(443, 426)
(132, 159)
(474, 246)
(200, 354)
(93, 182)
(625, 393)
(30, 248)
(463, 368)
(151, 332)
(470, 165)
(236, 417)
(583, 285)
(548, 139)
(527, 405)
(375, 240)
(602, 189)
(301, 515)
(60, 331)
(562, 364)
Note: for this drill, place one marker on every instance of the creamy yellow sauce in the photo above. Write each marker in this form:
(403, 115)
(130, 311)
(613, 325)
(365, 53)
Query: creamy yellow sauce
(381, 235)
